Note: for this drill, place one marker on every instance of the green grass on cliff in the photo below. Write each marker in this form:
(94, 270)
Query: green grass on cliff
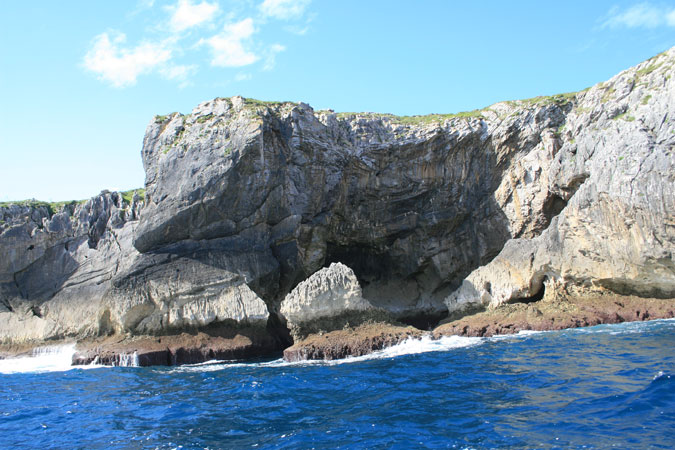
(52, 207)
(127, 196)
(559, 99)
(255, 102)
(413, 120)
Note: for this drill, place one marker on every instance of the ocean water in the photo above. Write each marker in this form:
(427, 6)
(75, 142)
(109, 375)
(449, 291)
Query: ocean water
(610, 386)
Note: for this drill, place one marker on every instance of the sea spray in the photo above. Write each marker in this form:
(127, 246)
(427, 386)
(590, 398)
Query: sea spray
(558, 389)
(51, 358)
(128, 360)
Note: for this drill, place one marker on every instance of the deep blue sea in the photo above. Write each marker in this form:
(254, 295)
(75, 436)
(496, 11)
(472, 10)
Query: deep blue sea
(610, 386)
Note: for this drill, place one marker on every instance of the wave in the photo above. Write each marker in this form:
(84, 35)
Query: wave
(58, 358)
(623, 327)
(410, 346)
(54, 358)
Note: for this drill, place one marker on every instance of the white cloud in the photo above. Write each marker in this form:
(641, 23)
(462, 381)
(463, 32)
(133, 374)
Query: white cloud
(640, 15)
(187, 14)
(284, 9)
(670, 18)
(300, 31)
(121, 66)
(271, 58)
(179, 73)
(242, 76)
(228, 47)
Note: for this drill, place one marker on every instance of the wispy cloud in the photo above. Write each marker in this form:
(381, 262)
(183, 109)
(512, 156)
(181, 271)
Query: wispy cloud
(271, 57)
(228, 48)
(187, 14)
(641, 15)
(284, 9)
(178, 31)
(120, 66)
(180, 73)
(242, 76)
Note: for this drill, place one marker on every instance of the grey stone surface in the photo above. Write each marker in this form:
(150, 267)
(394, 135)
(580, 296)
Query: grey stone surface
(411, 205)
(616, 172)
(75, 273)
(329, 292)
(246, 199)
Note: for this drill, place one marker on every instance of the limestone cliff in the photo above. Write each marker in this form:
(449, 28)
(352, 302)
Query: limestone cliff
(246, 199)
(75, 273)
(615, 171)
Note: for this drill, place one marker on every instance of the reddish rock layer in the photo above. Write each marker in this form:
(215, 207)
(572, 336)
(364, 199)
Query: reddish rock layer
(358, 341)
(559, 313)
(179, 349)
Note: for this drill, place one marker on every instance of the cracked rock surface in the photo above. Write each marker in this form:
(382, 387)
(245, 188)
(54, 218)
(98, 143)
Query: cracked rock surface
(245, 200)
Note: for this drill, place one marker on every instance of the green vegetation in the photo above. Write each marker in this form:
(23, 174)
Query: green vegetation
(559, 99)
(52, 207)
(164, 119)
(646, 98)
(560, 129)
(412, 120)
(127, 196)
(435, 118)
(649, 69)
(55, 207)
(607, 95)
(227, 151)
(255, 102)
(624, 116)
(205, 118)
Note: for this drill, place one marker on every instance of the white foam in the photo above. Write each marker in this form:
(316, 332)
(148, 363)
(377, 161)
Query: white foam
(410, 346)
(128, 360)
(426, 344)
(54, 358)
(518, 335)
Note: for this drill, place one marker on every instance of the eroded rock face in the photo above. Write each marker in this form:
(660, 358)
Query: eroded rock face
(616, 173)
(329, 292)
(330, 299)
(412, 206)
(56, 265)
(245, 200)
(75, 273)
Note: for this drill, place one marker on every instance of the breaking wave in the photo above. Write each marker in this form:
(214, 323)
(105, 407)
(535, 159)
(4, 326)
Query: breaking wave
(55, 358)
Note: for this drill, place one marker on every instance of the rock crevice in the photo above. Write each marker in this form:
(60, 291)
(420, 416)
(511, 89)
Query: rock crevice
(249, 204)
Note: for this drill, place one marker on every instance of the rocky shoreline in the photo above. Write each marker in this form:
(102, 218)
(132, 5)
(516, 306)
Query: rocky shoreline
(199, 346)
(269, 226)
(172, 350)
(559, 314)
(358, 341)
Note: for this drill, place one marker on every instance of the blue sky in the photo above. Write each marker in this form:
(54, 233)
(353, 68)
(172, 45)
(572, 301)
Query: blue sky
(80, 80)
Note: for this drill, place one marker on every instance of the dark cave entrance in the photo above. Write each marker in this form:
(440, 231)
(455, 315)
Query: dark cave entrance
(376, 268)
(553, 205)
(538, 294)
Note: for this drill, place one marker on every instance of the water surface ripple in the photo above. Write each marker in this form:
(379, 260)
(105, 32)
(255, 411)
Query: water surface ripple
(609, 386)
